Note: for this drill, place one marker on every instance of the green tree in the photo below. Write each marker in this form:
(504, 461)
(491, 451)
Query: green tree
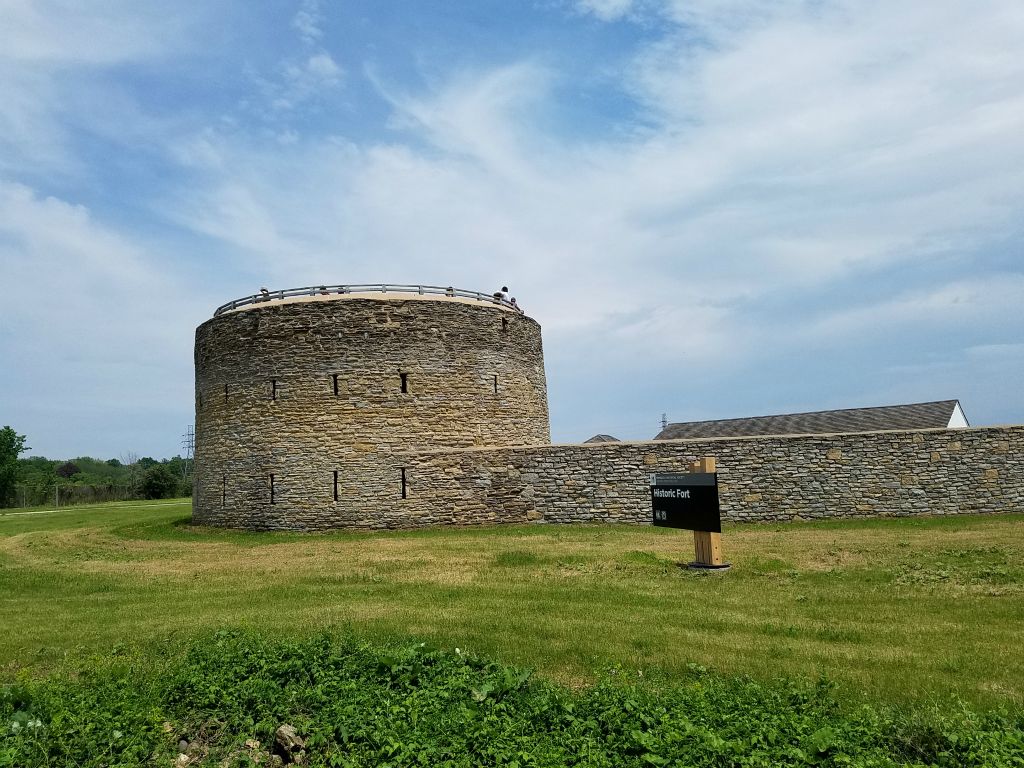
(11, 444)
(68, 469)
(158, 482)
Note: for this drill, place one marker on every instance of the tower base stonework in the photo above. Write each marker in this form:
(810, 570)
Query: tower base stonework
(307, 408)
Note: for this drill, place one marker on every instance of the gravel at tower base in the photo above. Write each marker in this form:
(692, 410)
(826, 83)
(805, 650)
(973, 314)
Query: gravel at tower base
(307, 407)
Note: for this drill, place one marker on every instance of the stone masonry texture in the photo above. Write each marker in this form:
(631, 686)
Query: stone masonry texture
(871, 474)
(302, 424)
(300, 413)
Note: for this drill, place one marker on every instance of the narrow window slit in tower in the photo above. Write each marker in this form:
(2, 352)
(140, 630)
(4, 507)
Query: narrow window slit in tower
(405, 489)
(223, 491)
(495, 383)
(199, 399)
(225, 392)
(273, 389)
(405, 382)
(271, 489)
(504, 323)
(335, 377)
(335, 485)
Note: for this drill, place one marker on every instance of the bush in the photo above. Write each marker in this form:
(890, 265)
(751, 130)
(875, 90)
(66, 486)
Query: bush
(11, 445)
(158, 482)
(67, 470)
(355, 704)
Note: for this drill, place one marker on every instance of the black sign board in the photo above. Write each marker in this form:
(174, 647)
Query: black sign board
(686, 500)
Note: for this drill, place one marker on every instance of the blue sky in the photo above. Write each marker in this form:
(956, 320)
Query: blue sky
(714, 209)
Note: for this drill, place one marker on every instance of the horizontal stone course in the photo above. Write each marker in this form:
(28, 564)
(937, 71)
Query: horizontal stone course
(266, 404)
(309, 394)
(761, 478)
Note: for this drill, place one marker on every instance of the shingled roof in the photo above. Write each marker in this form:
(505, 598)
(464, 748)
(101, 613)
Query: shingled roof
(602, 439)
(936, 415)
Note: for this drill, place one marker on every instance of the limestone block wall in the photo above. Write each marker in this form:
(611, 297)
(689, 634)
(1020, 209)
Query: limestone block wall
(300, 408)
(939, 472)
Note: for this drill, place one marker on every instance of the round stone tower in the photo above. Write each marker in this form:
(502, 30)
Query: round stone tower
(307, 400)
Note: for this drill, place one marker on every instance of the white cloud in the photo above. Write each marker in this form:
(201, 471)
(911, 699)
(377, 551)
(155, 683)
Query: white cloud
(303, 78)
(65, 33)
(323, 67)
(806, 151)
(714, 19)
(796, 173)
(92, 327)
(606, 10)
(480, 118)
(62, 266)
(53, 58)
(986, 300)
(308, 21)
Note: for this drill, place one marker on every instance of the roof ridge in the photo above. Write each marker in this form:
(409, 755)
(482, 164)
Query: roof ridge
(809, 413)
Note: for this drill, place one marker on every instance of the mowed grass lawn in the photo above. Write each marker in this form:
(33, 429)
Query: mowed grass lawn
(902, 610)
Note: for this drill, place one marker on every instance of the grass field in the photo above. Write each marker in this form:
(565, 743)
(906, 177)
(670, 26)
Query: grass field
(922, 610)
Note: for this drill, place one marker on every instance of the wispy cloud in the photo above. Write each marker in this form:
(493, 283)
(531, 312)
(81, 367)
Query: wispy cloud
(90, 333)
(303, 76)
(606, 10)
(768, 179)
(308, 21)
(962, 303)
(727, 225)
(53, 33)
(56, 57)
(794, 152)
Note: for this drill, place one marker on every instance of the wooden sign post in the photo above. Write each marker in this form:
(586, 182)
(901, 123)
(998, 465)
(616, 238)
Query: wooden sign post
(707, 545)
(690, 501)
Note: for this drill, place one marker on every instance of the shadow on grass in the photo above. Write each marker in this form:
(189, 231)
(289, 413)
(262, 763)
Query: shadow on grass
(182, 529)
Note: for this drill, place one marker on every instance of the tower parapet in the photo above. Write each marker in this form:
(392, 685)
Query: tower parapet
(308, 399)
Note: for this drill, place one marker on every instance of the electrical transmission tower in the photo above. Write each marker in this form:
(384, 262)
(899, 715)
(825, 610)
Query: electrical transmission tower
(188, 445)
(664, 420)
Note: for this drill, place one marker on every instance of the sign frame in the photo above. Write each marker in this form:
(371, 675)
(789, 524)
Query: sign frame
(686, 500)
(698, 510)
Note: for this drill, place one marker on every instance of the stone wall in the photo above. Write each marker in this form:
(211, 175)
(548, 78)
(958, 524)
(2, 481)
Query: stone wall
(940, 472)
(310, 393)
(302, 424)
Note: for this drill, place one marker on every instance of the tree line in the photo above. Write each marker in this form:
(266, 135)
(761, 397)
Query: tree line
(36, 480)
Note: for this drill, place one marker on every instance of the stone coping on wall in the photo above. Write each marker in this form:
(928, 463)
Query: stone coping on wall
(738, 438)
(881, 473)
(372, 296)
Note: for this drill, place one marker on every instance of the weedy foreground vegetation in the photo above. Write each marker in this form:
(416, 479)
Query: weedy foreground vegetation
(130, 635)
(222, 702)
